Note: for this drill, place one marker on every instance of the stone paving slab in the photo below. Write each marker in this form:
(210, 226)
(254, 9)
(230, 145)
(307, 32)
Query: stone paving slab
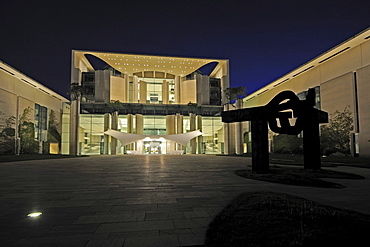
(141, 200)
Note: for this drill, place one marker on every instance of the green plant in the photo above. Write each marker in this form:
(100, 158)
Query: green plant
(76, 91)
(26, 132)
(53, 133)
(287, 144)
(235, 93)
(115, 105)
(7, 136)
(335, 136)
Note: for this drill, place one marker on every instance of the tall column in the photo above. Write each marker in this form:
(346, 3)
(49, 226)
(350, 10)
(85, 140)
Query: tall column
(170, 130)
(180, 127)
(139, 125)
(74, 127)
(229, 137)
(260, 154)
(193, 147)
(177, 90)
(200, 138)
(135, 89)
(130, 129)
(127, 84)
(143, 92)
(165, 93)
(106, 137)
(114, 127)
(124, 89)
(238, 130)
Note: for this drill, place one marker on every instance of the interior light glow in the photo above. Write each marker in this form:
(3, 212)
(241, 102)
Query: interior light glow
(35, 214)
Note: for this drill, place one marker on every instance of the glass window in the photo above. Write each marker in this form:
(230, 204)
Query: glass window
(154, 125)
(154, 90)
(91, 134)
(40, 122)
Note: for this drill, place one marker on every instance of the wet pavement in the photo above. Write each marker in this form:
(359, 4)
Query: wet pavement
(137, 200)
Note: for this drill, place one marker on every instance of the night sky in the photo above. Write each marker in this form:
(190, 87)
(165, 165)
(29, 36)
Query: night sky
(262, 39)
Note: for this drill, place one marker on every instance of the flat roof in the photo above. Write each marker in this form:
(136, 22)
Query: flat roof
(131, 63)
(24, 78)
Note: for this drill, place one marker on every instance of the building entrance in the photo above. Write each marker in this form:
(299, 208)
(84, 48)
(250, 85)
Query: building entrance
(152, 147)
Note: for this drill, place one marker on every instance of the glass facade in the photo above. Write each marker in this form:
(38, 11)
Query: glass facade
(155, 88)
(40, 122)
(91, 134)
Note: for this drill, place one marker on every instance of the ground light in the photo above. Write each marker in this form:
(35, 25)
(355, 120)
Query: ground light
(35, 214)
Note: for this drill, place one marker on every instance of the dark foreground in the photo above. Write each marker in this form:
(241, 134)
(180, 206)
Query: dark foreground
(158, 200)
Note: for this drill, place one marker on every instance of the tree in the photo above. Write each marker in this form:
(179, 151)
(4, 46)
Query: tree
(192, 107)
(26, 130)
(76, 91)
(235, 93)
(53, 133)
(287, 144)
(7, 136)
(335, 136)
(114, 105)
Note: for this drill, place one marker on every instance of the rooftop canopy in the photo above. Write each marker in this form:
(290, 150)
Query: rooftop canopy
(131, 64)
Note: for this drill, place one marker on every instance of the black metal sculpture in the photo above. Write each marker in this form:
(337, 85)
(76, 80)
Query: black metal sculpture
(307, 118)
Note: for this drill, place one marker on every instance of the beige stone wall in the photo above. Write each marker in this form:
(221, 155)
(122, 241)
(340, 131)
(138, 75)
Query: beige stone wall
(338, 94)
(117, 89)
(364, 109)
(188, 92)
(336, 78)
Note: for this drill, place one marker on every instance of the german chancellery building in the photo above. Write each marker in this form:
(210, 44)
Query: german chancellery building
(341, 78)
(144, 104)
(151, 104)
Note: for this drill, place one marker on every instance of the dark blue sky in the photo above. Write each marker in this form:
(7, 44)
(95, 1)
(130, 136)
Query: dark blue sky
(263, 39)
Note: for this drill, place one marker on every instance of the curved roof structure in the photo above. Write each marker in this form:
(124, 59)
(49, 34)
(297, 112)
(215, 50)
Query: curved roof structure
(127, 138)
(130, 64)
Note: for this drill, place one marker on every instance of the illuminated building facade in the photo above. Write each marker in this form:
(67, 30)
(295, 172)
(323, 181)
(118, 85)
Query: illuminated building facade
(30, 114)
(341, 78)
(147, 96)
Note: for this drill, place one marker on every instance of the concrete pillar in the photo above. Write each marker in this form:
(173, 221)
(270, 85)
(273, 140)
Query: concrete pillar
(260, 154)
(200, 138)
(130, 129)
(238, 130)
(180, 127)
(139, 125)
(225, 83)
(193, 147)
(177, 90)
(229, 136)
(114, 127)
(165, 92)
(74, 127)
(107, 118)
(127, 85)
(143, 92)
(124, 89)
(170, 130)
(135, 89)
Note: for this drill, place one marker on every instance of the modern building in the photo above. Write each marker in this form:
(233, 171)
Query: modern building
(147, 102)
(144, 104)
(30, 114)
(341, 78)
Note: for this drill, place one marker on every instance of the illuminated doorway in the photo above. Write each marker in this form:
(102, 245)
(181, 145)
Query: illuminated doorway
(154, 146)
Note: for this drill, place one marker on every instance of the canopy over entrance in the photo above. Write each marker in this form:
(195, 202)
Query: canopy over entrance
(127, 138)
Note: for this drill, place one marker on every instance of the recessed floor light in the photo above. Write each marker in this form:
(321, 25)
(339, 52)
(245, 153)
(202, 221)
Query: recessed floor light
(35, 214)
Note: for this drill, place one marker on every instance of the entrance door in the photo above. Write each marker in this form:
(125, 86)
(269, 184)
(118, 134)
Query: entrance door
(152, 147)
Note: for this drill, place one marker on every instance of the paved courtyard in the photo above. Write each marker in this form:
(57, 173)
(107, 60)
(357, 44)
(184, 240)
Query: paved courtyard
(137, 200)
